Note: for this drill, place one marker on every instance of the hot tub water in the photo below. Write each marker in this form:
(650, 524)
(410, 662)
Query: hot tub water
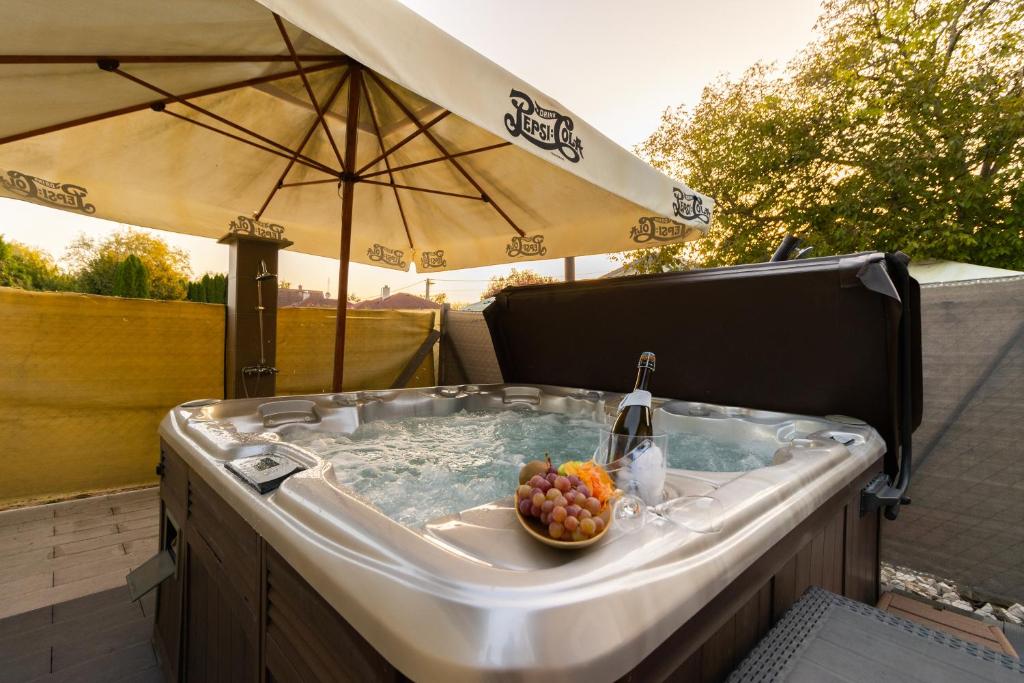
(415, 469)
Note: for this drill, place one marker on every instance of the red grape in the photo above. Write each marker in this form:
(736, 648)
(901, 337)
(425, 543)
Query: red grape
(593, 504)
(562, 484)
(547, 506)
(559, 514)
(524, 506)
(573, 510)
(570, 523)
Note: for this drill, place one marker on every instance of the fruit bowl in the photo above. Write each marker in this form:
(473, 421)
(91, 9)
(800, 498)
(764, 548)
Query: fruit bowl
(567, 507)
(535, 529)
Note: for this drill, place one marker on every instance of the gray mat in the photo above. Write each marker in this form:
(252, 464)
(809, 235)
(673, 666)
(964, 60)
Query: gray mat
(825, 637)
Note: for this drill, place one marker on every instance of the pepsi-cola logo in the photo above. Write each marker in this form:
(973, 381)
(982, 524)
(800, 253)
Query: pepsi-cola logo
(545, 128)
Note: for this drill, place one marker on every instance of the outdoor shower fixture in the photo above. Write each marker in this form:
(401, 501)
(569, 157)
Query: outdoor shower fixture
(262, 368)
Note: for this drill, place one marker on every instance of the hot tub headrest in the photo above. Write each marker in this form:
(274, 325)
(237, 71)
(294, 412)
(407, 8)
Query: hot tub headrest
(817, 336)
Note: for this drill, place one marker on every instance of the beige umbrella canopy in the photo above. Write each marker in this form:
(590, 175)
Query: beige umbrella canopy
(353, 128)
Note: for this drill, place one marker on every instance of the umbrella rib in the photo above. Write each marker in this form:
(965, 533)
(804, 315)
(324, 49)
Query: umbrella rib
(166, 59)
(53, 128)
(302, 145)
(309, 90)
(420, 129)
(114, 68)
(387, 165)
(438, 159)
(238, 138)
(308, 182)
(412, 117)
(424, 189)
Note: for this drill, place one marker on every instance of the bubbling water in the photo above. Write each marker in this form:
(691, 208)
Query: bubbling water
(415, 469)
(687, 451)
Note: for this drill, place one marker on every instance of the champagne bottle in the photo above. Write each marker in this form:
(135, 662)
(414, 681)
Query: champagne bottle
(633, 422)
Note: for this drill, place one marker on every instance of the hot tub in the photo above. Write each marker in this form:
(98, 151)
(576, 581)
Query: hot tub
(459, 593)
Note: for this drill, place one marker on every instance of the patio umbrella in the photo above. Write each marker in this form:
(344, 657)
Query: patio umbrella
(353, 128)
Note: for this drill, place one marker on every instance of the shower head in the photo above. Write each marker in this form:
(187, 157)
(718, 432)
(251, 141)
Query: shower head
(264, 274)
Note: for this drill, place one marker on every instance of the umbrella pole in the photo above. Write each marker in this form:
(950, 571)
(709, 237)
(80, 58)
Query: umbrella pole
(348, 184)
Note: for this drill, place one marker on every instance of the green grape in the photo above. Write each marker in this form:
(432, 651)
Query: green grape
(538, 499)
(587, 526)
(524, 491)
(570, 523)
(555, 530)
(553, 494)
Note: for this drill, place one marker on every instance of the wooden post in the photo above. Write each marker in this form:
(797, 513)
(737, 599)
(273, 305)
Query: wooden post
(570, 269)
(348, 185)
(242, 343)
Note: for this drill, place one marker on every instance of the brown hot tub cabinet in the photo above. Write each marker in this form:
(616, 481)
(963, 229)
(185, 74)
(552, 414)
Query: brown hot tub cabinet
(236, 610)
(846, 330)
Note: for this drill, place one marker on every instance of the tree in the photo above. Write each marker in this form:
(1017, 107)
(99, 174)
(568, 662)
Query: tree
(95, 263)
(28, 268)
(901, 128)
(212, 289)
(131, 279)
(354, 298)
(515, 278)
(440, 298)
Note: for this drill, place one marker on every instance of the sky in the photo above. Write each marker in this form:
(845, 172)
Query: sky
(616, 64)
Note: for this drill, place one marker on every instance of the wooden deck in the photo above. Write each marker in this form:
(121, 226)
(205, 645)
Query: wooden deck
(937, 616)
(55, 553)
(93, 639)
(65, 613)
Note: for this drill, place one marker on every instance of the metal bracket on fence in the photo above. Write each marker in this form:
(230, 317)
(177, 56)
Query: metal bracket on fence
(416, 360)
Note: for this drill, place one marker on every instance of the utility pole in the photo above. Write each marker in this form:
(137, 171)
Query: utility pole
(570, 268)
(427, 296)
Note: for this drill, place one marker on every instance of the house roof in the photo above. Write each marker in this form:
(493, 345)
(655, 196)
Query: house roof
(395, 301)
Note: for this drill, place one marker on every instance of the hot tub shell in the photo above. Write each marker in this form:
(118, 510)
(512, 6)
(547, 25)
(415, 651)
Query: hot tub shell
(470, 596)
